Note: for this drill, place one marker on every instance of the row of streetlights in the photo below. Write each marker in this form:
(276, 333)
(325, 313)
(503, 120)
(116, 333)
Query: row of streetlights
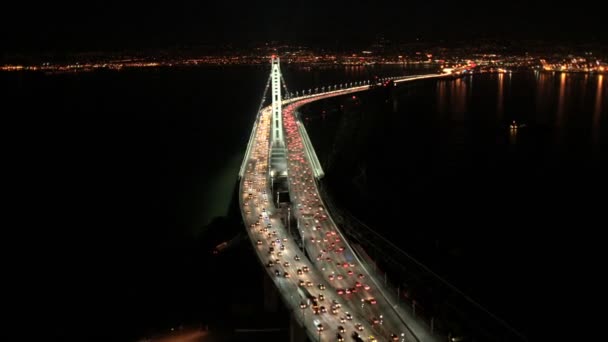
(336, 86)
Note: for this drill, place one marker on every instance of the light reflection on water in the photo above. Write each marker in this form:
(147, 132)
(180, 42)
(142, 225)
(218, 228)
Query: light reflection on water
(568, 103)
(500, 100)
(597, 107)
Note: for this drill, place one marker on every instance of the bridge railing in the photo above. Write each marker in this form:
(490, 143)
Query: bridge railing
(418, 326)
(249, 147)
(407, 306)
(406, 292)
(411, 284)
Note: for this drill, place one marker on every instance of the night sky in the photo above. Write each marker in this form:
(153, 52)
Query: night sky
(115, 25)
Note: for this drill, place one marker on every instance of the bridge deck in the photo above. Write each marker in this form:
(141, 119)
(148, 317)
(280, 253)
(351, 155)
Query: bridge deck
(343, 270)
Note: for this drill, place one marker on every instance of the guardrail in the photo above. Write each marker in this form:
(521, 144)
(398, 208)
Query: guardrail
(249, 145)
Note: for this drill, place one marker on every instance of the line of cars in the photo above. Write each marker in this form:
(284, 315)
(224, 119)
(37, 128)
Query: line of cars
(275, 247)
(271, 240)
(322, 240)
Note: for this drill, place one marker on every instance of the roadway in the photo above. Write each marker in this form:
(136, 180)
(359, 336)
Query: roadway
(334, 264)
(266, 230)
(328, 249)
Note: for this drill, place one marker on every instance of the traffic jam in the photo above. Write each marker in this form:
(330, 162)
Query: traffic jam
(335, 295)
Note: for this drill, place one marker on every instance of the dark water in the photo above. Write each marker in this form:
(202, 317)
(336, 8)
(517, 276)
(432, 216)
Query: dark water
(129, 170)
(129, 178)
(133, 173)
(504, 215)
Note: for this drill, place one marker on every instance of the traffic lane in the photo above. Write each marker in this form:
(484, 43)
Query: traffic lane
(310, 276)
(370, 310)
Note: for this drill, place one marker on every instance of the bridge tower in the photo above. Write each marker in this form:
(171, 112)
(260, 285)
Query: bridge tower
(278, 160)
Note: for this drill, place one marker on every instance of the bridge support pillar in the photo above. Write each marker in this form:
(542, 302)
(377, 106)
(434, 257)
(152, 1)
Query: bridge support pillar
(297, 333)
(278, 153)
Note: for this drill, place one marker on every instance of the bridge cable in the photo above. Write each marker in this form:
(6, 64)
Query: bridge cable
(284, 86)
(264, 95)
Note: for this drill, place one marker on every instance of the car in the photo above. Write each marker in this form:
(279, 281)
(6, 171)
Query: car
(305, 269)
(286, 275)
(270, 263)
(323, 310)
(359, 326)
(342, 319)
(394, 337)
(331, 277)
(299, 271)
(286, 264)
(296, 258)
(302, 283)
(282, 247)
(350, 272)
(371, 300)
(339, 338)
(259, 242)
(349, 316)
(361, 276)
(321, 297)
(375, 321)
(341, 329)
(277, 272)
(321, 287)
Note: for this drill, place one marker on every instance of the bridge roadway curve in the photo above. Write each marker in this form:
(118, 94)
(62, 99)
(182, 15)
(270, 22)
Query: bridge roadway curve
(334, 269)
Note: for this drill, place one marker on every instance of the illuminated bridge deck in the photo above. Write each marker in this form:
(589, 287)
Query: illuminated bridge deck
(334, 271)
